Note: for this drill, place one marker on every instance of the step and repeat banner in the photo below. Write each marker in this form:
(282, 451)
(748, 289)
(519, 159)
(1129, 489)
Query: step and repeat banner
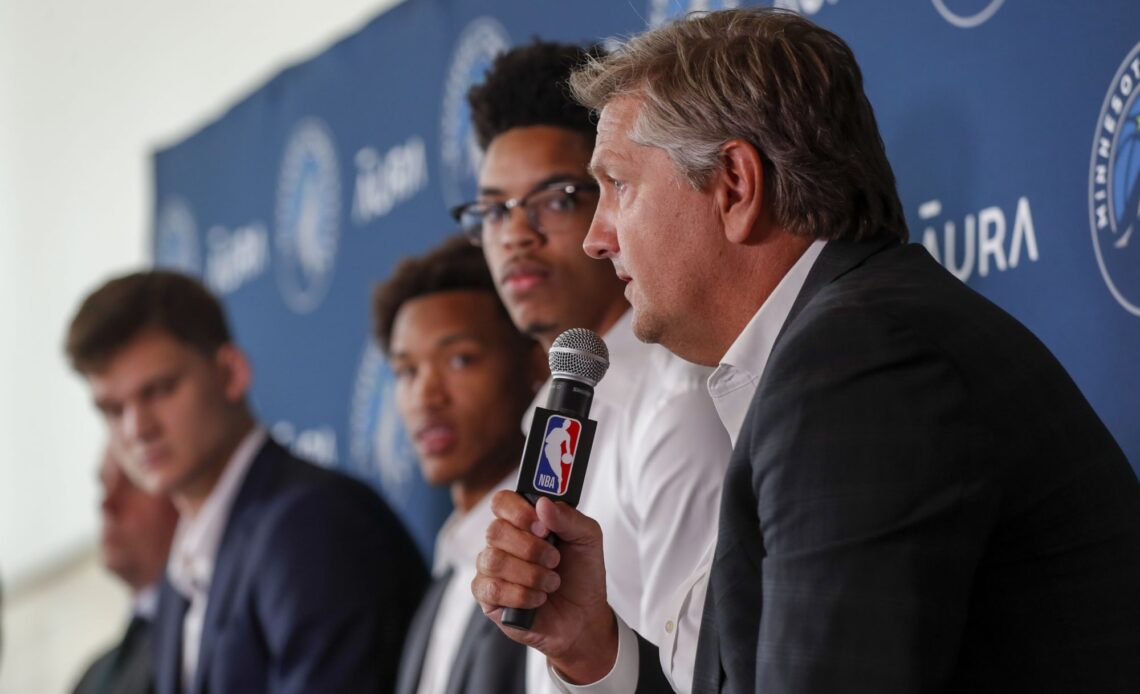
(1013, 127)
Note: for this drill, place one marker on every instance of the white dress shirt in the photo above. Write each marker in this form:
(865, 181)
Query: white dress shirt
(195, 548)
(145, 603)
(457, 545)
(732, 386)
(653, 483)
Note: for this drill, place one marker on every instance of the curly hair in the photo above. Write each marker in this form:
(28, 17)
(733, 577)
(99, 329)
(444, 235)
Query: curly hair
(527, 86)
(454, 265)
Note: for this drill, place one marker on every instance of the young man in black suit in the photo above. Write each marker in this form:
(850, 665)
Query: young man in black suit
(464, 377)
(283, 577)
(919, 498)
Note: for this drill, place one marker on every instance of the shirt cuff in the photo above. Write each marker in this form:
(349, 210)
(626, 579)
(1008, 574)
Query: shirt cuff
(622, 677)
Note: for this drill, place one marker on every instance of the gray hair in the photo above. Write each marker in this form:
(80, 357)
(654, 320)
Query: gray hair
(788, 87)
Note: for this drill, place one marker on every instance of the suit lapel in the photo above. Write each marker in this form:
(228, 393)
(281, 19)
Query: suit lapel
(135, 670)
(168, 640)
(419, 635)
(465, 658)
(228, 564)
(837, 259)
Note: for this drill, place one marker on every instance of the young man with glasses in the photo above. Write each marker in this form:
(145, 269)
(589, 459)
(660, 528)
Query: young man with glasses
(654, 481)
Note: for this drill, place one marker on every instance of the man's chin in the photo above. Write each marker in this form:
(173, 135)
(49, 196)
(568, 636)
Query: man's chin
(537, 329)
(146, 480)
(646, 328)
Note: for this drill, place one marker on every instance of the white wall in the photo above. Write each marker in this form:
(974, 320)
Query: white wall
(87, 91)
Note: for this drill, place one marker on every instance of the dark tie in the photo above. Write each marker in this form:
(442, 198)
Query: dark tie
(419, 635)
(124, 653)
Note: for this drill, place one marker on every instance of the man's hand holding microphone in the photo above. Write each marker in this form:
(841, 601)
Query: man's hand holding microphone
(523, 568)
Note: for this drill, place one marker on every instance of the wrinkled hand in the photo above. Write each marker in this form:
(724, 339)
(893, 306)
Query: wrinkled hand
(573, 626)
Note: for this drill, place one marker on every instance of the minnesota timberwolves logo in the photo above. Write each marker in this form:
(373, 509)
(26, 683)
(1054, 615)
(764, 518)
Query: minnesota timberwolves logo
(308, 215)
(556, 459)
(379, 448)
(661, 11)
(478, 44)
(967, 14)
(1114, 186)
(176, 238)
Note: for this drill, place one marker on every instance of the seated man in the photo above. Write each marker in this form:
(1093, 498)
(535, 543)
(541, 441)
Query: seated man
(464, 377)
(660, 449)
(283, 577)
(134, 543)
(919, 499)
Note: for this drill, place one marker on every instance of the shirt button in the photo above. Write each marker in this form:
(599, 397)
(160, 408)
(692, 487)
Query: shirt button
(669, 626)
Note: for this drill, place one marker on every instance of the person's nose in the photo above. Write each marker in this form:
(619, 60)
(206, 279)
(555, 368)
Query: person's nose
(601, 240)
(139, 422)
(430, 389)
(516, 232)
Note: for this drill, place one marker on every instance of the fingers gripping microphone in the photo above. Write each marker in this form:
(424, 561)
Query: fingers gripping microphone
(561, 434)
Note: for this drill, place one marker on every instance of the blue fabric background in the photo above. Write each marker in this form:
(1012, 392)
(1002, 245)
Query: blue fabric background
(295, 202)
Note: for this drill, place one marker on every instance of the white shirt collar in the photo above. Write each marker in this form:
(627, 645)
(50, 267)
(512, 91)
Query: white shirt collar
(145, 603)
(735, 380)
(197, 539)
(462, 536)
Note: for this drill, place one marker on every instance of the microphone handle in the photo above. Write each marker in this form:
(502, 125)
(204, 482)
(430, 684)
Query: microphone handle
(571, 398)
(574, 399)
(524, 618)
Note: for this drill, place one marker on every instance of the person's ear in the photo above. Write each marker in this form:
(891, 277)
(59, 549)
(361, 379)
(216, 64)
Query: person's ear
(738, 190)
(236, 371)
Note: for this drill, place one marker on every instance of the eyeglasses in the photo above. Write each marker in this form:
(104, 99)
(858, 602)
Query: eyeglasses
(549, 210)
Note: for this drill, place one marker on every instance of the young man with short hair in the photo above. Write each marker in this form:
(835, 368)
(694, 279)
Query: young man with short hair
(654, 475)
(284, 577)
(464, 377)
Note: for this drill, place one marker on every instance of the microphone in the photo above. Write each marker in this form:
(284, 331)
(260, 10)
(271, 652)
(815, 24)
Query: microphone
(561, 434)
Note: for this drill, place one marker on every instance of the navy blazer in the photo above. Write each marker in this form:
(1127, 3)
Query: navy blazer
(920, 500)
(314, 585)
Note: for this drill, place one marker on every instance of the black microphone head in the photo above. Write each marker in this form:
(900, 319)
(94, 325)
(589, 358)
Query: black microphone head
(579, 355)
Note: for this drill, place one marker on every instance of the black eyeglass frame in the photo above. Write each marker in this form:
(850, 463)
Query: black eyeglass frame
(474, 234)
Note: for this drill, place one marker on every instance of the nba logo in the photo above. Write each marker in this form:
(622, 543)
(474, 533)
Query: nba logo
(559, 444)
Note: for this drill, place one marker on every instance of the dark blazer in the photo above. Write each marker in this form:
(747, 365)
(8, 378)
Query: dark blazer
(128, 668)
(314, 584)
(487, 661)
(920, 500)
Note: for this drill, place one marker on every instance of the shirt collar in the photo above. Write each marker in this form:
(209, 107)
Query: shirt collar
(144, 603)
(462, 535)
(197, 539)
(737, 376)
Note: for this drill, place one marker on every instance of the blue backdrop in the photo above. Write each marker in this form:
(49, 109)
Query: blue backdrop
(1013, 127)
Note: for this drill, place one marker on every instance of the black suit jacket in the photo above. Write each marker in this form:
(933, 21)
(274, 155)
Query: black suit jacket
(314, 584)
(920, 500)
(128, 668)
(487, 661)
